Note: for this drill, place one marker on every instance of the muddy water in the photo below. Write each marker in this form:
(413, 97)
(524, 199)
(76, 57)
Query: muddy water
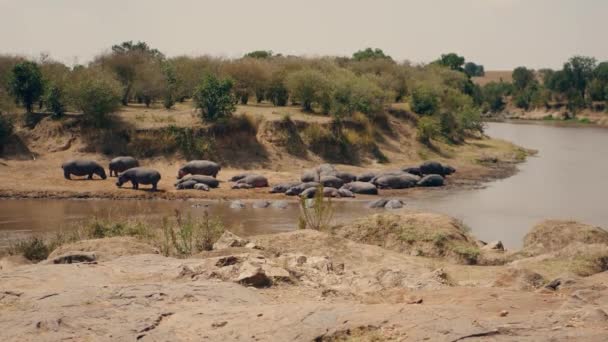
(566, 180)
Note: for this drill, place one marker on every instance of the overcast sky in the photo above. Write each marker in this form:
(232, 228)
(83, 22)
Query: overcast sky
(501, 34)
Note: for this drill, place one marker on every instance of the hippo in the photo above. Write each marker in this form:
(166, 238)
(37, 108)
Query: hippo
(187, 184)
(81, 167)
(199, 167)
(327, 192)
(242, 186)
(345, 193)
(139, 175)
(412, 170)
(296, 190)
(238, 177)
(366, 177)
(448, 170)
(331, 181)
(309, 176)
(283, 187)
(208, 180)
(201, 186)
(379, 203)
(121, 164)
(256, 181)
(346, 177)
(431, 180)
(394, 204)
(401, 181)
(435, 168)
(326, 170)
(387, 173)
(361, 188)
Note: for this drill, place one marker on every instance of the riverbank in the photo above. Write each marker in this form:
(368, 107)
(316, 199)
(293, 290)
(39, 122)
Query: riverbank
(314, 286)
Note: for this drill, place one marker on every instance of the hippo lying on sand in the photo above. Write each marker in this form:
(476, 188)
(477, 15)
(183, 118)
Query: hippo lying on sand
(283, 187)
(361, 188)
(431, 180)
(208, 180)
(239, 177)
(256, 181)
(296, 190)
(346, 177)
(327, 192)
(199, 167)
(242, 186)
(401, 181)
(139, 175)
(331, 181)
(435, 168)
(80, 167)
(366, 177)
(121, 164)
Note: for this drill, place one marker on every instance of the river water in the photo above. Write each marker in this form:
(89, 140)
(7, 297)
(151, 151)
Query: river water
(564, 181)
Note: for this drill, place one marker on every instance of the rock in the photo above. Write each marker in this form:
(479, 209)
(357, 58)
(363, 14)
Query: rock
(74, 258)
(228, 240)
(394, 204)
(562, 282)
(504, 313)
(520, 279)
(379, 203)
(107, 248)
(238, 204)
(253, 245)
(279, 204)
(201, 186)
(252, 275)
(11, 261)
(261, 204)
(494, 246)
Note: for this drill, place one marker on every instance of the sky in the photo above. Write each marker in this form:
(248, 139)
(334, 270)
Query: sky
(500, 34)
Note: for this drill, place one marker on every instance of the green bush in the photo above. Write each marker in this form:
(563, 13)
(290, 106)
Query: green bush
(428, 129)
(55, 101)
(424, 101)
(190, 236)
(96, 94)
(34, 249)
(308, 87)
(6, 129)
(26, 84)
(214, 98)
(356, 94)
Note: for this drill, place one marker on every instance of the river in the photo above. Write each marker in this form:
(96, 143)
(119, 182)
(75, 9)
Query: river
(564, 181)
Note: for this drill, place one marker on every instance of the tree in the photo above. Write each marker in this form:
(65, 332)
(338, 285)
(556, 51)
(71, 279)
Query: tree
(96, 94)
(428, 129)
(6, 129)
(26, 84)
(55, 101)
(493, 95)
(474, 70)
(263, 54)
(452, 61)
(579, 71)
(277, 92)
(370, 53)
(214, 98)
(522, 78)
(308, 86)
(424, 101)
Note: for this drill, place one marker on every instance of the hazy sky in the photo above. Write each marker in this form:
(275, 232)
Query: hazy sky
(501, 34)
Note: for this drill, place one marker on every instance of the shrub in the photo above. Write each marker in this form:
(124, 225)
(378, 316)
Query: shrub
(316, 213)
(55, 101)
(96, 94)
(188, 236)
(354, 93)
(6, 129)
(26, 84)
(428, 129)
(214, 98)
(34, 249)
(308, 87)
(277, 93)
(425, 101)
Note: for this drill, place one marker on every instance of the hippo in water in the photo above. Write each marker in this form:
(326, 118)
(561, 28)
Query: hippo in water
(256, 181)
(199, 167)
(80, 167)
(208, 180)
(139, 175)
(121, 164)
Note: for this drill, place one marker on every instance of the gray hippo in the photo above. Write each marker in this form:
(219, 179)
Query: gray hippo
(199, 167)
(309, 176)
(139, 175)
(241, 186)
(210, 181)
(366, 177)
(121, 164)
(394, 204)
(187, 184)
(326, 170)
(448, 170)
(256, 181)
(431, 180)
(296, 190)
(331, 181)
(361, 188)
(283, 187)
(346, 177)
(345, 193)
(201, 186)
(81, 167)
(379, 203)
(412, 170)
(327, 192)
(401, 181)
(238, 177)
(436, 168)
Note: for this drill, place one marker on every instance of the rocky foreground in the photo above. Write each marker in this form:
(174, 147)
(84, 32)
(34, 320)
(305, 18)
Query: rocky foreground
(386, 277)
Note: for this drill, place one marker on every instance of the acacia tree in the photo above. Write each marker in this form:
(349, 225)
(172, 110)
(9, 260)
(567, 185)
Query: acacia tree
(452, 61)
(308, 86)
(370, 53)
(214, 98)
(26, 84)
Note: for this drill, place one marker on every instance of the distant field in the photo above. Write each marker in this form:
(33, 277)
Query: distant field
(494, 76)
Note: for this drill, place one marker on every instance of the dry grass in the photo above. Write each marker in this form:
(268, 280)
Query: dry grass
(494, 76)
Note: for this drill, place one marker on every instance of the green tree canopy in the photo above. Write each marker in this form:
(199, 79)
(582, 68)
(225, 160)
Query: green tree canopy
(522, 78)
(214, 98)
(262, 54)
(452, 61)
(474, 70)
(370, 53)
(26, 84)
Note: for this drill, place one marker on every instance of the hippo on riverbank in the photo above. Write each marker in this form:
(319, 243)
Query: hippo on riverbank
(361, 188)
(283, 187)
(139, 175)
(201, 186)
(81, 167)
(327, 192)
(199, 167)
(331, 181)
(346, 177)
(296, 190)
(241, 186)
(256, 181)
(412, 170)
(436, 168)
(431, 180)
(366, 177)
(121, 164)
(238, 177)
(188, 184)
(345, 193)
(399, 181)
(208, 180)
(309, 176)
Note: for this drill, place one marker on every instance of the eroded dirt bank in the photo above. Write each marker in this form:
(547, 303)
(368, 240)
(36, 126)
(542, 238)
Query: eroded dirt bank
(403, 280)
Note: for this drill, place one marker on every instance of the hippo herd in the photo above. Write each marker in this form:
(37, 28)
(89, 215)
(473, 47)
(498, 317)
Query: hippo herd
(202, 175)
